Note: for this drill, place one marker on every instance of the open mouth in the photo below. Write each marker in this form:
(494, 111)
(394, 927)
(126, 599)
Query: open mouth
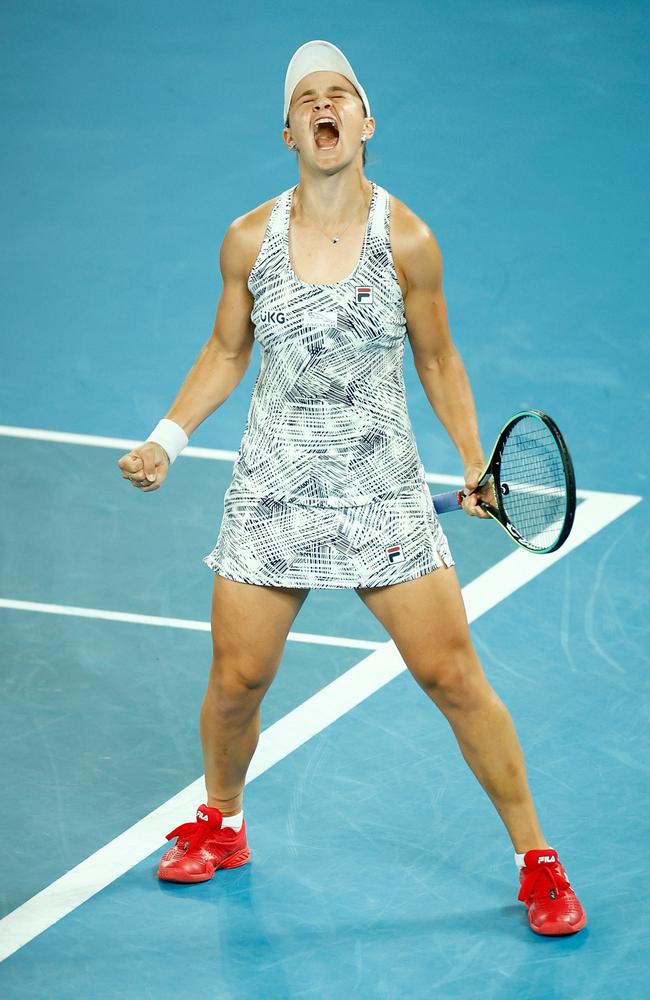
(326, 134)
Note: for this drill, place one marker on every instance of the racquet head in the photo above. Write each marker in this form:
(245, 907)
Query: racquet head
(531, 482)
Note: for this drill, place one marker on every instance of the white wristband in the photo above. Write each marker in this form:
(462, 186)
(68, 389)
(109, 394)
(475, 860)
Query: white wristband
(170, 436)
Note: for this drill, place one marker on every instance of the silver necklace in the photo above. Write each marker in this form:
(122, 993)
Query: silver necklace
(332, 239)
(336, 239)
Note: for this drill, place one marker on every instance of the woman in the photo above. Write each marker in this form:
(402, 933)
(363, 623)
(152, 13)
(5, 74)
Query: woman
(328, 489)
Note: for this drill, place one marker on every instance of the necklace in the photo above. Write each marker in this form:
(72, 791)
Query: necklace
(332, 239)
(336, 239)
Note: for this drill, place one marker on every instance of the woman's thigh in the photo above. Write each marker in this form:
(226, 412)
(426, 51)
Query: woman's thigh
(426, 620)
(250, 625)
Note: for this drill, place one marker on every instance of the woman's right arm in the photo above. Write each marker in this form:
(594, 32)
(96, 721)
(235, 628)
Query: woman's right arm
(223, 360)
(219, 368)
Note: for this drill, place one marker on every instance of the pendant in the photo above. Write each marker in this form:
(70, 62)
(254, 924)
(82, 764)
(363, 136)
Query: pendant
(335, 239)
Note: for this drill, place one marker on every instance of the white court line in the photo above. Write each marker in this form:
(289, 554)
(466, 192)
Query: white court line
(287, 734)
(94, 441)
(186, 623)
(218, 454)
(125, 444)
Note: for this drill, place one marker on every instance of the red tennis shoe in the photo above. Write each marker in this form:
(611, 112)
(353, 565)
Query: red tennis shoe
(202, 847)
(553, 907)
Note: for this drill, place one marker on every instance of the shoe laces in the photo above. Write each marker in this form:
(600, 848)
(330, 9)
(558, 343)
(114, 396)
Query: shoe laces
(545, 878)
(189, 835)
(193, 835)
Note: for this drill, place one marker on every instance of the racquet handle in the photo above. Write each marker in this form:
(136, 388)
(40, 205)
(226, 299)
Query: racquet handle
(444, 502)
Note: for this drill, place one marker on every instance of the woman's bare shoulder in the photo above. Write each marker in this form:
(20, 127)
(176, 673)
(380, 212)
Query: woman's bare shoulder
(257, 218)
(407, 228)
(412, 242)
(246, 232)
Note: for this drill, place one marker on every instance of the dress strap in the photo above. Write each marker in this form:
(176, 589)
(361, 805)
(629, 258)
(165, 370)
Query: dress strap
(379, 221)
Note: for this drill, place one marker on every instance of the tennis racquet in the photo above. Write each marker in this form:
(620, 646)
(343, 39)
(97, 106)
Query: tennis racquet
(530, 479)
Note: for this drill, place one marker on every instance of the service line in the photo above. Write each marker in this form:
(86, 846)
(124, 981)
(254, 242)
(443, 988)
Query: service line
(182, 623)
(216, 454)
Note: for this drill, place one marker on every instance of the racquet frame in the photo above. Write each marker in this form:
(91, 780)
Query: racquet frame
(444, 502)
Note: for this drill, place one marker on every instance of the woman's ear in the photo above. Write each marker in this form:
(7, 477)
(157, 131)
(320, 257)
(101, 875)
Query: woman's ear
(287, 137)
(368, 129)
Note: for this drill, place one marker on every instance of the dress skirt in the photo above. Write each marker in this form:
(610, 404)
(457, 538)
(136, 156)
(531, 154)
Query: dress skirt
(287, 544)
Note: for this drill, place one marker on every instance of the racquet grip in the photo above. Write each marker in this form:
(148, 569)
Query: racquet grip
(444, 502)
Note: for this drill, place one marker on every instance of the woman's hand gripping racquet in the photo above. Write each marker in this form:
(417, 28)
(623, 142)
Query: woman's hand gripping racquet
(528, 484)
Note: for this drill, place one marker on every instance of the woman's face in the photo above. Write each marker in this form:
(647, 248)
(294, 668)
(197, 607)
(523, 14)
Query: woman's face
(326, 95)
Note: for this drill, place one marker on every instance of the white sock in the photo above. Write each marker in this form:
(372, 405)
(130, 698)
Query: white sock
(519, 860)
(234, 822)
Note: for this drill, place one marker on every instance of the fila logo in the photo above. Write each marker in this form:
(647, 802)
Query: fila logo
(395, 554)
(200, 815)
(363, 295)
(549, 858)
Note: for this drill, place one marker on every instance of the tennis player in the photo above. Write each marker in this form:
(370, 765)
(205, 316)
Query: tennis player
(328, 489)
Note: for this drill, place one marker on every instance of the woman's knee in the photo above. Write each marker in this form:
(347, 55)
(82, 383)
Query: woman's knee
(237, 686)
(243, 672)
(454, 678)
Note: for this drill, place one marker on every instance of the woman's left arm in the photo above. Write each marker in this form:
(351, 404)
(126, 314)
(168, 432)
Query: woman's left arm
(438, 363)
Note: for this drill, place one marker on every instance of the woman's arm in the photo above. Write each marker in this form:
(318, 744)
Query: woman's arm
(219, 367)
(437, 361)
(223, 360)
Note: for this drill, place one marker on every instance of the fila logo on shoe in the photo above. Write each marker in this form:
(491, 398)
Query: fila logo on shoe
(548, 858)
(200, 815)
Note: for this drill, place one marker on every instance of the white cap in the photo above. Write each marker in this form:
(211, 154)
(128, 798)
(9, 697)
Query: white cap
(314, 57)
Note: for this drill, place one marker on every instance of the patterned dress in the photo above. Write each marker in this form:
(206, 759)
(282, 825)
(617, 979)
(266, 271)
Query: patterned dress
(328, 489)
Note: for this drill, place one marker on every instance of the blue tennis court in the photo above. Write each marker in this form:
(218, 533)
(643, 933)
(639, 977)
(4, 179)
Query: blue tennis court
(134, 135)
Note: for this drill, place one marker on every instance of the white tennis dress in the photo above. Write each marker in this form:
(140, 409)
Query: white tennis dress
(328, 489)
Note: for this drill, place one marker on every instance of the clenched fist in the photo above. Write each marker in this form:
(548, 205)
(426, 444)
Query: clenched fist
(146, 466)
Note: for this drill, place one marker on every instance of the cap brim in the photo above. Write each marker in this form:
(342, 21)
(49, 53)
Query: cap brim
(314, 57)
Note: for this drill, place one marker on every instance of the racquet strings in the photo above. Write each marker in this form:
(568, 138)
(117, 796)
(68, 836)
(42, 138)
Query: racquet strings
(534, 491)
